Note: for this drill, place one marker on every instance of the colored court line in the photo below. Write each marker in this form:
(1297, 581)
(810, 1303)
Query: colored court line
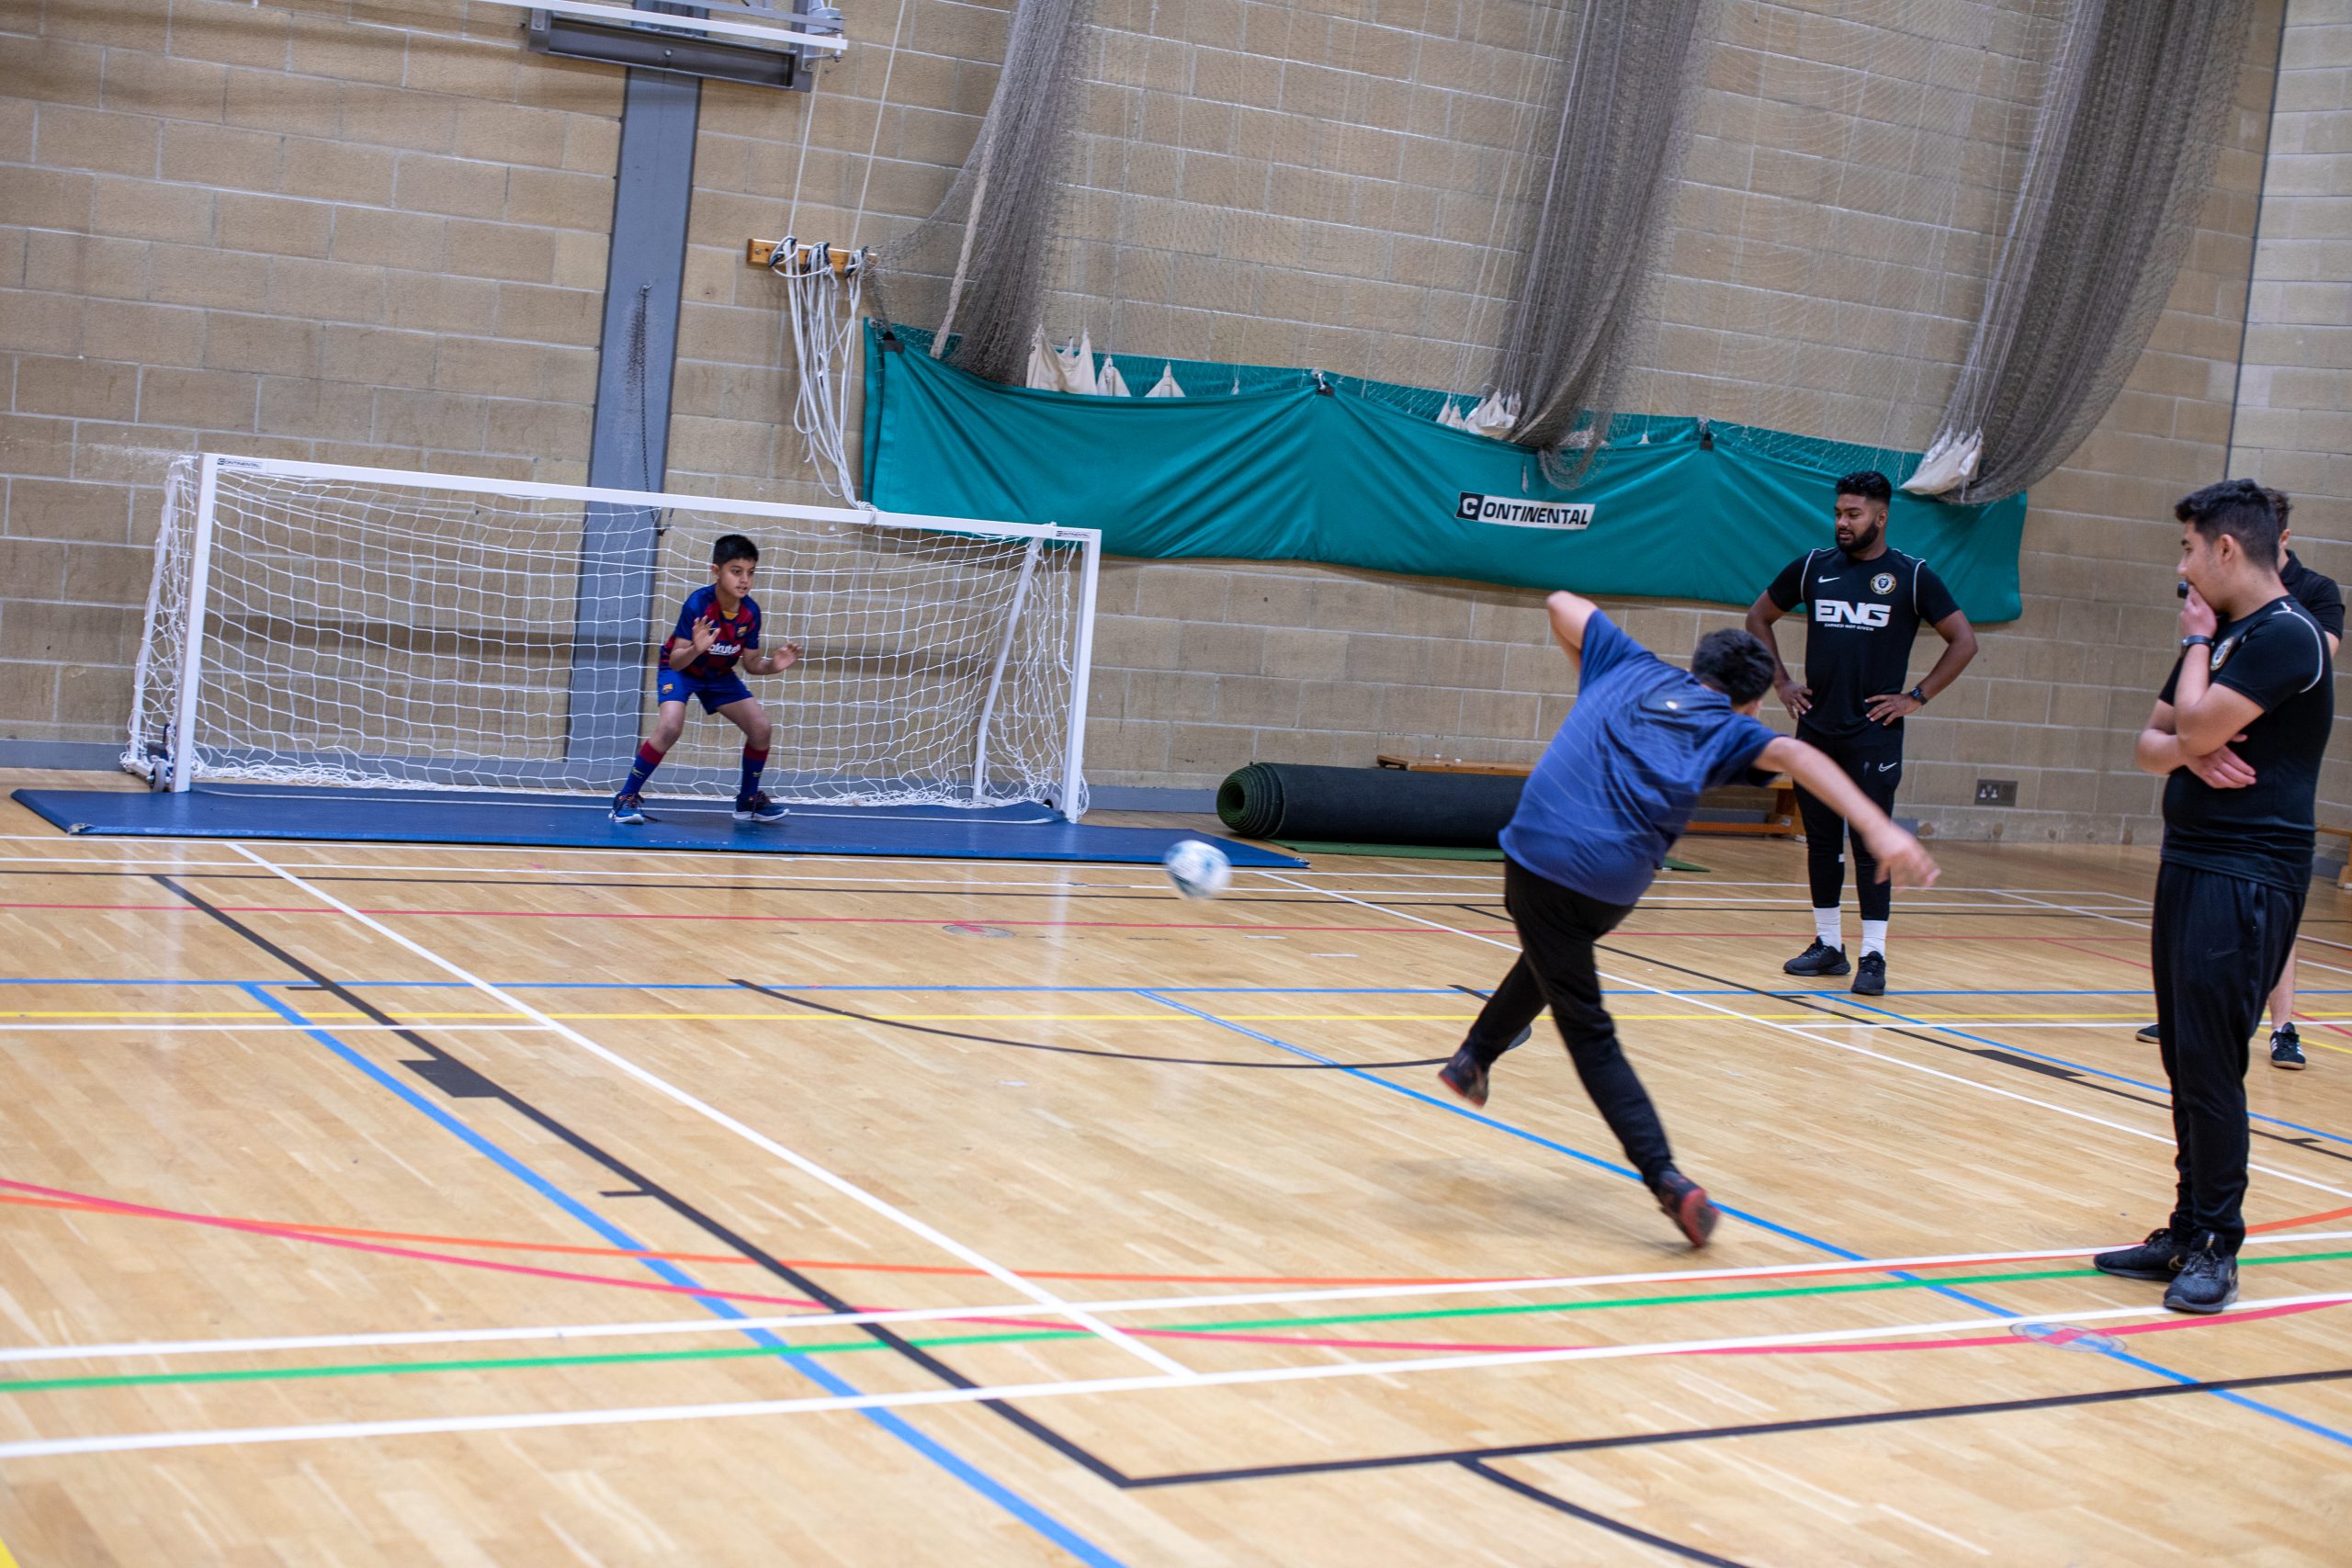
(1025, 1331)
(885, 1420)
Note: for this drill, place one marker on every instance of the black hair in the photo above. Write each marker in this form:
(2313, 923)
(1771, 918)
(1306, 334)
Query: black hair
(733, 547)
(2240, 508)
(2280, 504)
(1735, 663)
(1868, 483)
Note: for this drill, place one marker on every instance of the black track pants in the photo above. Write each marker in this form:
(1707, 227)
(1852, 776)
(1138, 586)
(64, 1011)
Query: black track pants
(2218, 945)
(1557, 928)
(1873, 760)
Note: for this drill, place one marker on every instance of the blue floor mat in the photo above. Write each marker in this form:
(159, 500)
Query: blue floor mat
(571, 821)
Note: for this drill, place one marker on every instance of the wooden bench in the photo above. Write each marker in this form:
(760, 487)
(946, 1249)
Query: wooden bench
(2344, 878)
(1780, 817)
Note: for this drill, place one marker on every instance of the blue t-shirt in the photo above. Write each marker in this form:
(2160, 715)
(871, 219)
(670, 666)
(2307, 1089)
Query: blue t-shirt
(738, 635)
(1619, 782)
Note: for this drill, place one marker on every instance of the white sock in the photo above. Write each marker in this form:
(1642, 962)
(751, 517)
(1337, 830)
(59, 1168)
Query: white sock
(1874, 937)
(1824, 926)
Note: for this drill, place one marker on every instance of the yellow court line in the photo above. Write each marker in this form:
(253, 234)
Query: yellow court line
(5, 1560)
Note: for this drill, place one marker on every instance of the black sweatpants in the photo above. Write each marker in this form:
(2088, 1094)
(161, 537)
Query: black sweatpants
(1873, 760)
(1557, 926)
(2218, 945)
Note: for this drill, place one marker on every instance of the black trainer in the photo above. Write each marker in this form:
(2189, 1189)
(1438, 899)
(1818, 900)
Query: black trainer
(1870, 975)
(1465, 1077)
(2287, 1049)
(2158, 1258)
(1819, 959)
(2207, 1282)
(1687, 1205)
(2151, 1035)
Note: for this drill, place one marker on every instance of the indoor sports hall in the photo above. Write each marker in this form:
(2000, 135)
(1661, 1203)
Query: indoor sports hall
(977, 781)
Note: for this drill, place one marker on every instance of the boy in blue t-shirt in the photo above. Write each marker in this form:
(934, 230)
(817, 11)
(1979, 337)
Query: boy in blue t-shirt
(718, 628)
(1614, 790)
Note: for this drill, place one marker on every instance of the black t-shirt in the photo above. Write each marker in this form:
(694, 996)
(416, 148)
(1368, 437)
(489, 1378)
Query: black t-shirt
(1858, 643)
(2315, 592)
(2277, 659)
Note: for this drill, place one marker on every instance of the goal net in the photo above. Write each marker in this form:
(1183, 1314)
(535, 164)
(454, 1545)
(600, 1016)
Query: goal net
(317, 625)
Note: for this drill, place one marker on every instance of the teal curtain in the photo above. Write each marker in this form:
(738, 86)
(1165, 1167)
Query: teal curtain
(1303, 466)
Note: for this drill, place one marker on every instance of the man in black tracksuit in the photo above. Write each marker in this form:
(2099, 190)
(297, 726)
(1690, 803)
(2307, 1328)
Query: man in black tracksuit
(1868, 602)
(2238, 735)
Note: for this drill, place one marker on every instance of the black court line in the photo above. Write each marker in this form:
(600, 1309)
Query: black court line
(1554, 1500)
(1746, 1430)
(446, 1067)
(913, 1028)
(1993, 1054)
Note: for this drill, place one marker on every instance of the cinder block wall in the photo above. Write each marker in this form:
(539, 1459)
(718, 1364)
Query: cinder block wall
(2294, 414)
(385, 242)
(350, 235)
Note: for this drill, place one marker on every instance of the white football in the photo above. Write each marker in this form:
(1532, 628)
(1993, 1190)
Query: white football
(1198, 869)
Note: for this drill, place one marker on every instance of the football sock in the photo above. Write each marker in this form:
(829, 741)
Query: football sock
(754, 764)
(1824, 926)
(1874, 937)
(648, 757)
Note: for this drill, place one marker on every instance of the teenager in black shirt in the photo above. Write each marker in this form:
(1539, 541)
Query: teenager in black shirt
(1868, 602)
(2319, 594)
(2238, 735)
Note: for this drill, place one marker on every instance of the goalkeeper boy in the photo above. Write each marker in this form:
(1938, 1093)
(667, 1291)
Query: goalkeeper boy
(717, 628)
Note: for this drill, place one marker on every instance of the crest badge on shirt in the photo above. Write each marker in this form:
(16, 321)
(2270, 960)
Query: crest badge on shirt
(1882, 583)
(2223, 650)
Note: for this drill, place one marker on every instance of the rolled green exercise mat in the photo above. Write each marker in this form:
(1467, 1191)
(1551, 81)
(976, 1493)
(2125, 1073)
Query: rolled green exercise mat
(1367, 805)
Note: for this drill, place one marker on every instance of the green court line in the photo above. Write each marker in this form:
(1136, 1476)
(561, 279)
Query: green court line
(723, 1353)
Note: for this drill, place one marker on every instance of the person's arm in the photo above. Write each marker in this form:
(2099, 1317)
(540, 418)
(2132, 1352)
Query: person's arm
(2206, 716)
(1760, 616)
(2158, 750)
(1570, 614)
(1900, 858)
(1960, 646)
(783, 657)
(684, 653)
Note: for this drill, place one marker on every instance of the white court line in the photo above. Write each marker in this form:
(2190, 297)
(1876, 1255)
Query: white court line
(734, 1326)
(757, 1139)
(145, 1027)
(123, 1442)
(2143, 925)
(2165, 1138)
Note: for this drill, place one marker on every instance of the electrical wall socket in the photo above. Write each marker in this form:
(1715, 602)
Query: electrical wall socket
(1996, 792)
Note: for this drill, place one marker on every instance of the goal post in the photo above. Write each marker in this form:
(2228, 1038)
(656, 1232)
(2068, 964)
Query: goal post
(316, 624)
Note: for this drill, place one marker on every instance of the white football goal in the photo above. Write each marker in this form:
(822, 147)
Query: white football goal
(319, 624)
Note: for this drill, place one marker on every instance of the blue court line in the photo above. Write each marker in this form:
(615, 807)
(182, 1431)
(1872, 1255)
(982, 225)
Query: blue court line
(961, 1469)
(1080, 990)
(2315, 1427)
(2078, 1068)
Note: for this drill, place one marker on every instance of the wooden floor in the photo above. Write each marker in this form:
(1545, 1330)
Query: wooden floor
(392, 1206)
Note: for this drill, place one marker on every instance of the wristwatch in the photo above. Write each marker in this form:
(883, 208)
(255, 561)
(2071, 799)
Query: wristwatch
(1919, 694)
(2196, 639)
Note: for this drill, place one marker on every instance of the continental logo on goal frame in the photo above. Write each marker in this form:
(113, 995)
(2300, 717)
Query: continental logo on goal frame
(1510, 511)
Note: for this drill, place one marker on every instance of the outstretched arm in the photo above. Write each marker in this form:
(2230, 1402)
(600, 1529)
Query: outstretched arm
(1900, 859)
(1569, 614)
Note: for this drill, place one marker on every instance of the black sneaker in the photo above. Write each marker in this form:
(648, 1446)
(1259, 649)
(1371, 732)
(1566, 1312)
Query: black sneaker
(1687, 1205)
(757, 808)
(1819, 959)
(2151, 1035)
(2158, 1258)
(1465, 1077)
(2208, 1282)
(1870, 975)
(2287, 1049)
(629, 810)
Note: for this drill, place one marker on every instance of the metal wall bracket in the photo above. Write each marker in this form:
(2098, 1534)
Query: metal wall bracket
(791, 65)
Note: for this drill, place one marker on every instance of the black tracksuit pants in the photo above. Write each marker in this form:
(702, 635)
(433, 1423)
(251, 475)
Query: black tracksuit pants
(1557, 928)
(2217, 944)
(1873, 760)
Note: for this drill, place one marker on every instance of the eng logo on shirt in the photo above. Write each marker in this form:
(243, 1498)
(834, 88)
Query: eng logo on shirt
(1512, 512)
(1839, 612)
(1882, 583)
